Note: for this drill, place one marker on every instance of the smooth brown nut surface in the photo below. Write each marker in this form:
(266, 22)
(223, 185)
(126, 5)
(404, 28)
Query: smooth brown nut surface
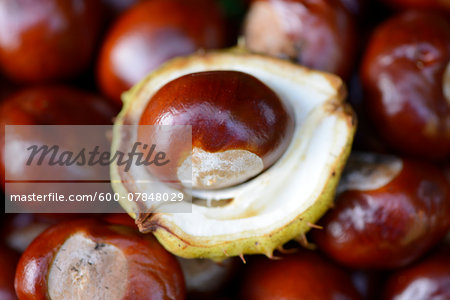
(388, 214)
(318, 34)
(152, 32)
(240, 127)
(88, 259)
(425, 280)
(42, 40)
(304, 275)
(406, 78)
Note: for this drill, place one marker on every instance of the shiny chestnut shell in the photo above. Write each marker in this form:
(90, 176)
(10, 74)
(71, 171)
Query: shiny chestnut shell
(153, 273)
(427, 279)
(44, 40)
(319, 34)
(152, 32)
(228, 110)
(390, 226)
(405, 75)
(304, 275)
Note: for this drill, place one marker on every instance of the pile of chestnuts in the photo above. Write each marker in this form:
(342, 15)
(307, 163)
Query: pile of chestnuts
(387, 236)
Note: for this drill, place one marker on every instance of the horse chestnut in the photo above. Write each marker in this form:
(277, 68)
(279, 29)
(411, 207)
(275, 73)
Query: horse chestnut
(152, 32)
(318, 34)
(425, 280)
(93, 260)
(44, 40)
(406, 77)
(304, 275)
(240, 127)
(388, 213)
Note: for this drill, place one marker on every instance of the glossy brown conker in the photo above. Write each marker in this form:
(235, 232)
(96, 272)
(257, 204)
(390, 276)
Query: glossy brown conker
(304, 275)
(424, 280)
(47, 40)
(152, 32)
(319, 34)
(389, 212)
(406, 77)
(95, 260)
(240, 127)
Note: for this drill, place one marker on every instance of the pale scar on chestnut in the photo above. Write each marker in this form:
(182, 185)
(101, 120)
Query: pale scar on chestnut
(84, 269)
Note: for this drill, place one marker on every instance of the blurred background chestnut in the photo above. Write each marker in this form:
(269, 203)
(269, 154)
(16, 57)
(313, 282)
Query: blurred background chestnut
(94, 260)
(152, 32)
(303, 275)
(388, 213)
(406, 78)
(428, 279)
(319, 34)
(48, 40)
